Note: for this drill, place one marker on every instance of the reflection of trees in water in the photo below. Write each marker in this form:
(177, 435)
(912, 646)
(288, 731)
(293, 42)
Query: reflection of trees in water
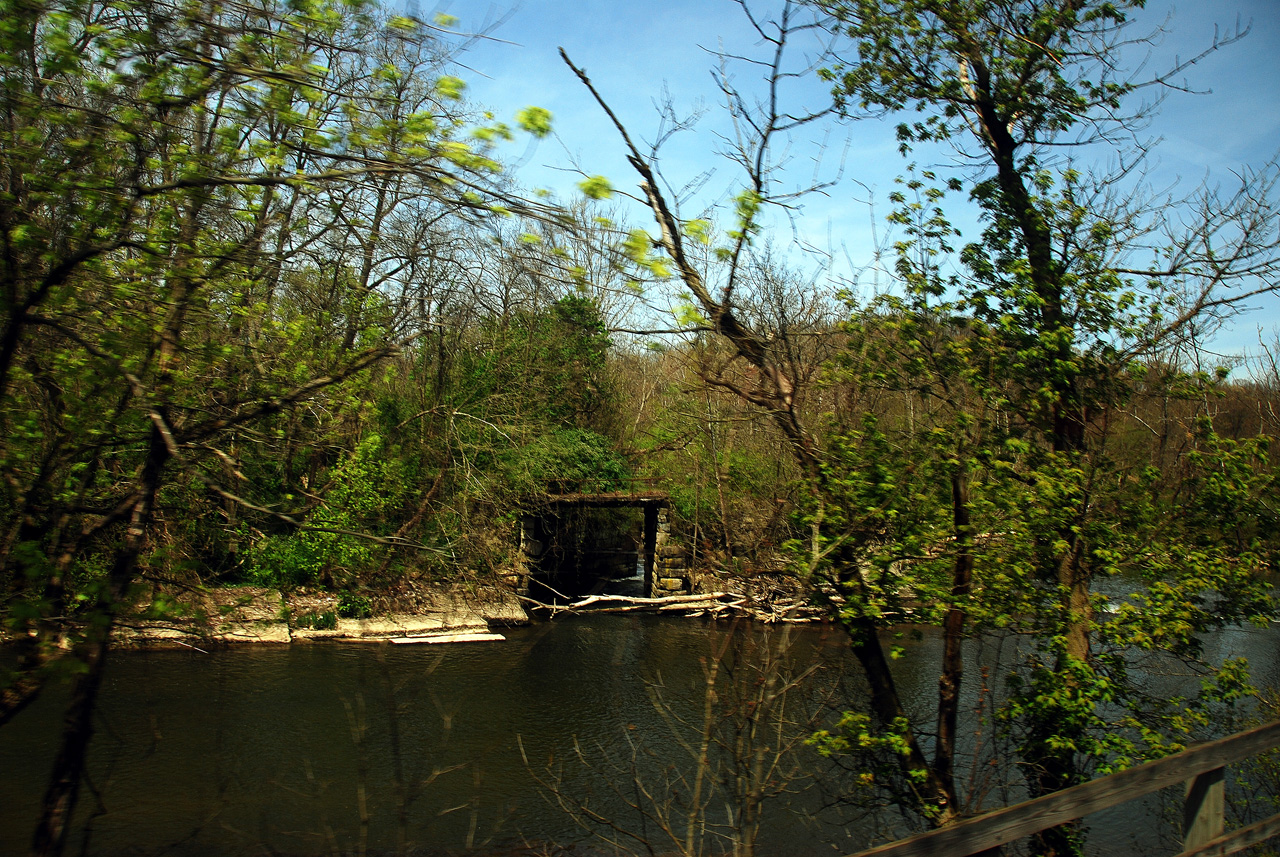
(336, 748)
(348, 748)
(337, 751)
(732, 748)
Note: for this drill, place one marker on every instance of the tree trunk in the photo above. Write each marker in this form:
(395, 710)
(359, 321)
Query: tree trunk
(58, 807)
(953, 632)
(935, 798)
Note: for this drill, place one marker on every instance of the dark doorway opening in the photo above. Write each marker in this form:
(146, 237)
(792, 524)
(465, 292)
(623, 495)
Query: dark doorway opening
(588, 551)
(589, 544)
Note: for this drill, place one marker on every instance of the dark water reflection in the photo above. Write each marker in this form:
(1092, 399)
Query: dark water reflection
(320, 748)
(334, 748)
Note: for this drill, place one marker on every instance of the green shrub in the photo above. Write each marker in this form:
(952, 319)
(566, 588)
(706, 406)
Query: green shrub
(352, 606)
(563, 461)
(326, 621)
(367, 488)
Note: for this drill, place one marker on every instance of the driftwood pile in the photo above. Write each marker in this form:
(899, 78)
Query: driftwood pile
(712, 604)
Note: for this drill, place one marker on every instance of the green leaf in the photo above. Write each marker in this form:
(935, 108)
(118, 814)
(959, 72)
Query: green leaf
(699, 230)
(535, 120)
(451, 87)
(596, 187)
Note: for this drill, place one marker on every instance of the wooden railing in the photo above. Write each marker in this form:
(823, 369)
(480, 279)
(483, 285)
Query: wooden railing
(1201, 767)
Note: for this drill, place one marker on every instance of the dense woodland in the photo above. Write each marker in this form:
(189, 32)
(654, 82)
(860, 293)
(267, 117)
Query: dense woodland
(274, 314)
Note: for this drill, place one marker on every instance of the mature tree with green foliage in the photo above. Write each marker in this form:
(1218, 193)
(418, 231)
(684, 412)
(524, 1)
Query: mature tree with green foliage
(207, 217)
(976, 485)
(1077, 280)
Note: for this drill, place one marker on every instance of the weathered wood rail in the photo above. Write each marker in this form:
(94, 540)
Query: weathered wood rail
(1200, 767)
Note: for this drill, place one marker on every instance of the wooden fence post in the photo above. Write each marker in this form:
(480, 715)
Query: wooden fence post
(1202, 813)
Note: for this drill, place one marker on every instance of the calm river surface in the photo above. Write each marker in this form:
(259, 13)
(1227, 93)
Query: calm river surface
(333, 748)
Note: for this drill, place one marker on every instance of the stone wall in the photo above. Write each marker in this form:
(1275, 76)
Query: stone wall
(671, 561)
(530, 550)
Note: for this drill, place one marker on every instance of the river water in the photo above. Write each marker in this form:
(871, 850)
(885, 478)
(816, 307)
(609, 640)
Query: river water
(503, 746)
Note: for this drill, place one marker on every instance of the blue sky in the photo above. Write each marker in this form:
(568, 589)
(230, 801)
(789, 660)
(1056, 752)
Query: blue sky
(636, 52)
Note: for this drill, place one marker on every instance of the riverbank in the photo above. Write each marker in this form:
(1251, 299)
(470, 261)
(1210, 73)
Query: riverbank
(246, 614)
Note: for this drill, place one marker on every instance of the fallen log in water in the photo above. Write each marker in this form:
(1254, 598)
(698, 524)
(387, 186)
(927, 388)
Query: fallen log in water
(714, 602)
(425, 639)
